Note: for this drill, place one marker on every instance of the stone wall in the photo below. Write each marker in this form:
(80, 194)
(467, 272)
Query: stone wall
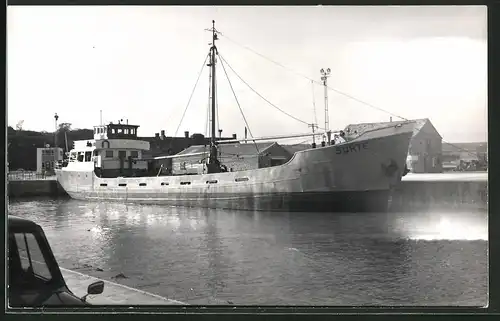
(34, 188)
(435, 195)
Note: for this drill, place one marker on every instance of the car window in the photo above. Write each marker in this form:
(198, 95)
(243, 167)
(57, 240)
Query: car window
(32, 261)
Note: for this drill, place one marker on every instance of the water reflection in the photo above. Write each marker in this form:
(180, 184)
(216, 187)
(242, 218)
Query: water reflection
(206, 256)
(444, 226)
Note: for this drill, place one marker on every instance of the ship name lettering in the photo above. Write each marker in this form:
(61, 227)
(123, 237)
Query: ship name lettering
(354, 148)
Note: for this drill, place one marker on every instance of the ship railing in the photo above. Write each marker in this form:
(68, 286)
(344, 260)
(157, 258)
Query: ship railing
(395, 125)
(29, 176)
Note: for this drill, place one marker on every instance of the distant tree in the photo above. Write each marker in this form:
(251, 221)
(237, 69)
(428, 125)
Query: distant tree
(64, 127)
(62, 132)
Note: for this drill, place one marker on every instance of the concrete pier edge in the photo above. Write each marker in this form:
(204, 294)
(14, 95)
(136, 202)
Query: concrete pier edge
(78, 283)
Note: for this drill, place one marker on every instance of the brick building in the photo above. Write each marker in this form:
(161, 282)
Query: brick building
(161, 145)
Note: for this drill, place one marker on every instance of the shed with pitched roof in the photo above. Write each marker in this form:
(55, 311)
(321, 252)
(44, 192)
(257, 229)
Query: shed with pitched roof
(237, 157)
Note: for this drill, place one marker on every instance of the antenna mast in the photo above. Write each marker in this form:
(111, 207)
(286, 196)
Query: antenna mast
(324, 78)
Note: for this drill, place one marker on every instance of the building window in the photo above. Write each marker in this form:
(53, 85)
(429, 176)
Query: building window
(109, 154)
(95, 152)
(134, 154)
(122, 154)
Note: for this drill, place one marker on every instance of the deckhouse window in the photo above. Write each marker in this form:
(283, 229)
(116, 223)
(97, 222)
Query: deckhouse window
(109, 154)
(119, 130)
(125, 131)
(80, 156)
(134, 154)
(88, 156)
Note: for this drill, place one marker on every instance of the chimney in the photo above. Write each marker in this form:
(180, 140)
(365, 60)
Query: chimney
(390, 119)
(162, 134)
(234, 136)
(186, 134)
(157, 135)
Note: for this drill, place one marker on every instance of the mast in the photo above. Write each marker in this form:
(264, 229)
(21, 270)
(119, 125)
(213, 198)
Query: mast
(212, 64)
(324, 78)
(213, 166)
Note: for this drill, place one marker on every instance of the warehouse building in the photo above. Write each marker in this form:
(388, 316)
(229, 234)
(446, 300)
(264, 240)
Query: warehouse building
(425, 151)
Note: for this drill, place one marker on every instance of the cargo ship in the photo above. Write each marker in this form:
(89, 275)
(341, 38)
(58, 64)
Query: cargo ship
(353, 174)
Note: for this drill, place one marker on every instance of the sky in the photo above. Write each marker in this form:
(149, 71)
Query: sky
(141, 64)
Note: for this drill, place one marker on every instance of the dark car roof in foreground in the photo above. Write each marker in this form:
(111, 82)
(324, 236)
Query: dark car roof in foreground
(15, 221)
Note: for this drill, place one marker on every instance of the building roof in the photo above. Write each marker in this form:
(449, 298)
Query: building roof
(467, 157)
(360, 128)
(248, 149)
(471, 147)
(292, 149)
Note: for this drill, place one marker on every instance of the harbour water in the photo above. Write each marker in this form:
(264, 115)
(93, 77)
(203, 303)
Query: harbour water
(203, 256)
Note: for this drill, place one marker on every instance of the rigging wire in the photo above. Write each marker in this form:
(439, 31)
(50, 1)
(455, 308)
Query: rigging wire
(314, 103)
(208, 107)
(330, 88)
(314, 81)
(302, 142)
(236, 98)
(217, 111)
(190, 97)
(270, 103)
(453, 145)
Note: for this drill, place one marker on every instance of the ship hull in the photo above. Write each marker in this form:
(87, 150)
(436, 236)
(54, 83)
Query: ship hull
(353, 177)
(351, 201)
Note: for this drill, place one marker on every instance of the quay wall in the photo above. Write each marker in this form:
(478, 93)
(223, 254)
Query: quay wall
(29, 188)
(441, 191)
